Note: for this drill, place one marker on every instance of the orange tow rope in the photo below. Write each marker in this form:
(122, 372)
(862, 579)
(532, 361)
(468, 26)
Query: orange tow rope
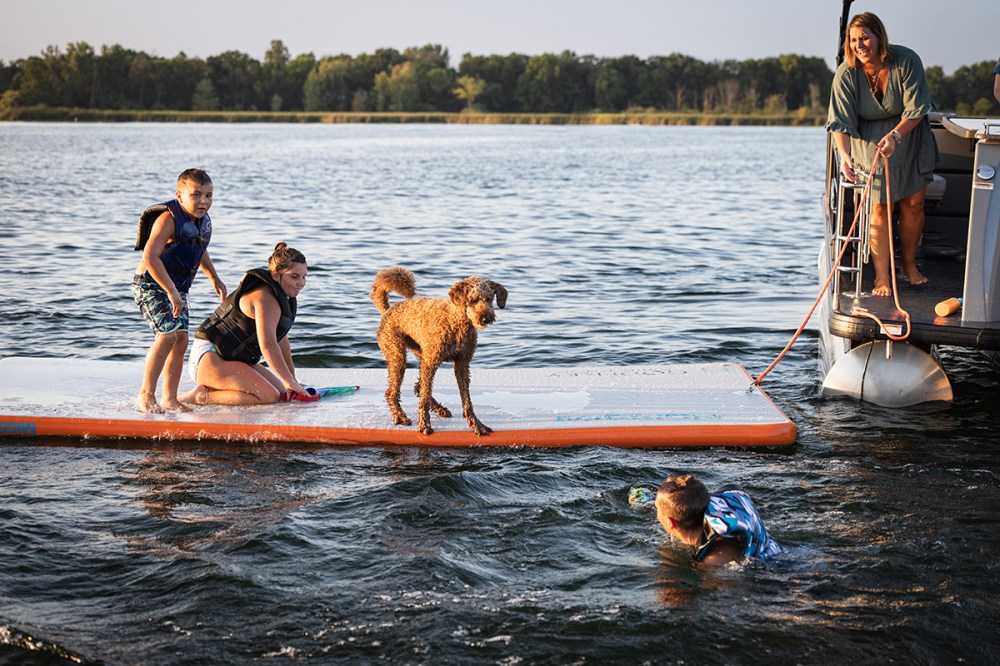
(865, 195)
(892, 270)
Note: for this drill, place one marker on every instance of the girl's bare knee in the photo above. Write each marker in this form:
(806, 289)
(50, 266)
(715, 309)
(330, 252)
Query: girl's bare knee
(269, 396)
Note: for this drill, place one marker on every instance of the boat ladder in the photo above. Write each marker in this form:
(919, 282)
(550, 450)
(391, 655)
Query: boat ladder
(853, 268)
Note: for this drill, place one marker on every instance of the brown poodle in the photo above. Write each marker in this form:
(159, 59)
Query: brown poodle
(438, 330)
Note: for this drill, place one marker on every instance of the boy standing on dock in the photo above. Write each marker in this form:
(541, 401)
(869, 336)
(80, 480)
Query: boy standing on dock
(173, 237)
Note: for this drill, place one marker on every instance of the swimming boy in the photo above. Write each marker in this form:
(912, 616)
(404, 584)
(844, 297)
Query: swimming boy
(720, 528)
(173, 237)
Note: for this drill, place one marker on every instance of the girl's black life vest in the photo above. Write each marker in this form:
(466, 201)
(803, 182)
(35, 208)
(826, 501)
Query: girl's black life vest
(183, 254)
(233, 333)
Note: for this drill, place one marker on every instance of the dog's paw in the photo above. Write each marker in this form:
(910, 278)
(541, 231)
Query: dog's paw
(426, 430)
(481, 428)
(443, 412)
(401, 419)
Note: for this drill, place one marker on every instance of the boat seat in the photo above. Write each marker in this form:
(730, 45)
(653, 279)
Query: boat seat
(936, 189)
(935, 242)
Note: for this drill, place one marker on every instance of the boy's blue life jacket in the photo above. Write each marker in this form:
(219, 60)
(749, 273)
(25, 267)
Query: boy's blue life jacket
(233, 333)
(731, 514)
(183, 254)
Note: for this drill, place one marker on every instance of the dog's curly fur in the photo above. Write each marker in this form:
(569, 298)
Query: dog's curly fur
(437, 330)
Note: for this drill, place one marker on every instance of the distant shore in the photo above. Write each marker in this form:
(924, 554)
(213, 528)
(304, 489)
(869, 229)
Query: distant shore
(60, 114)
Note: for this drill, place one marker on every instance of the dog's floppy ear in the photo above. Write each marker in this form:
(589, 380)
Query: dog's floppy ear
(459, 292)
(501, 293)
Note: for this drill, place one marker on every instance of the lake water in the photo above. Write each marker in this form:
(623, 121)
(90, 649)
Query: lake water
(619, 246)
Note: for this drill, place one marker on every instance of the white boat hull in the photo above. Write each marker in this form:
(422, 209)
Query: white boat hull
(891, 374)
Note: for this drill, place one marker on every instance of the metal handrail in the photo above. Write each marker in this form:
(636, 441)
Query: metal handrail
(860, 241)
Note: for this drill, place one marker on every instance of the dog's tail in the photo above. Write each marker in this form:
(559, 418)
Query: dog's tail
(392, 280)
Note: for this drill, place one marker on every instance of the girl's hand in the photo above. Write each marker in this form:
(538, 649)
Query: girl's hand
(299, 395)
(295, 387)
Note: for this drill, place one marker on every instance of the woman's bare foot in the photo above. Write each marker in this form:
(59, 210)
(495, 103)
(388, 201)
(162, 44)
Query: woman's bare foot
(915, 277)
(882, 287)
(196, 396)
(176, 406)
(146, 403)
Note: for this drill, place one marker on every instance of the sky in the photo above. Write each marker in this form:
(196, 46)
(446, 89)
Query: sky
(946, 33)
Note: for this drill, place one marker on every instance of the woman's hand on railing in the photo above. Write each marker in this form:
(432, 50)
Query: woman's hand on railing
(847, 169)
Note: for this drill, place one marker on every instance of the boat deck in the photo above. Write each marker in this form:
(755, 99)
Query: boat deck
(946, 280)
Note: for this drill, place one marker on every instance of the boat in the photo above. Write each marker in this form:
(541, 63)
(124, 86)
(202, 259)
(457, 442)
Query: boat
(894, 360)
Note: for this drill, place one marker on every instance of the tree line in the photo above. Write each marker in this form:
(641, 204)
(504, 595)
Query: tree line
(420, 79)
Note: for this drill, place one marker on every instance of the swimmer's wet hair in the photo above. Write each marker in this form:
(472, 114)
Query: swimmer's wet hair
(283, 257)
(683, 498)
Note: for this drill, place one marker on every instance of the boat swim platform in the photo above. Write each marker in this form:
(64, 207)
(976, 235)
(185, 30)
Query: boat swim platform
(650, 406)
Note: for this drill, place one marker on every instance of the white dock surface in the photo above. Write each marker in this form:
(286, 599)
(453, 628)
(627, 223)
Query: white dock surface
(708, 404)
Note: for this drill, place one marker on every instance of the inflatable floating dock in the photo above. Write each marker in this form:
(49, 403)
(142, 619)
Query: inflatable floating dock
(650, 406)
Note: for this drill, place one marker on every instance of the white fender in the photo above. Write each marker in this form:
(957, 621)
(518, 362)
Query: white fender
(888, 374)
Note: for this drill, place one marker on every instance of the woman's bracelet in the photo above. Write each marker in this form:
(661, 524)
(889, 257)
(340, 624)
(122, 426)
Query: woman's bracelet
(896, 135)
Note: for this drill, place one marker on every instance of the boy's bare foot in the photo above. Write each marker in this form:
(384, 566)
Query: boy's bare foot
(176, 406)
(882, 287)
(146, 403)
(196, 396)
(915, 277)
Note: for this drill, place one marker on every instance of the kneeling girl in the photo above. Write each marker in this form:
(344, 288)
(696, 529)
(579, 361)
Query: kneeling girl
(252, 322)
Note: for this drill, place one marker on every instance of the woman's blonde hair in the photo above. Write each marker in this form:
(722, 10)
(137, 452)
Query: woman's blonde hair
(872, 24)
(283, 257)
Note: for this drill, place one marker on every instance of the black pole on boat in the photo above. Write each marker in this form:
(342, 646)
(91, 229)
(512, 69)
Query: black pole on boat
(844, 18)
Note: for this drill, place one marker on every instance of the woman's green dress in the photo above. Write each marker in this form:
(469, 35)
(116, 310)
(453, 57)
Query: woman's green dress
(854, 110)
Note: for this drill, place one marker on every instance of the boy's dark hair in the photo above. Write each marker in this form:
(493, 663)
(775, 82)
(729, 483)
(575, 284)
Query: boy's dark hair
(683, 498)
(199, 176)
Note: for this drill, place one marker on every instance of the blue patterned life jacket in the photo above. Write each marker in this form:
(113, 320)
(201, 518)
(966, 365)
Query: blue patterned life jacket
(731, 514)
(183, 254)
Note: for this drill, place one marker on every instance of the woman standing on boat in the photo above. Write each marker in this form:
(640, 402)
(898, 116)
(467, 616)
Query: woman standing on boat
(879, 103)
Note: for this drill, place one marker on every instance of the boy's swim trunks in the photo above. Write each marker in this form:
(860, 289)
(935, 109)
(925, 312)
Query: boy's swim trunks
(154, 304)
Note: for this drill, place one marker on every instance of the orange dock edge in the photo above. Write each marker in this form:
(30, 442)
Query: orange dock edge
(731, 435)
